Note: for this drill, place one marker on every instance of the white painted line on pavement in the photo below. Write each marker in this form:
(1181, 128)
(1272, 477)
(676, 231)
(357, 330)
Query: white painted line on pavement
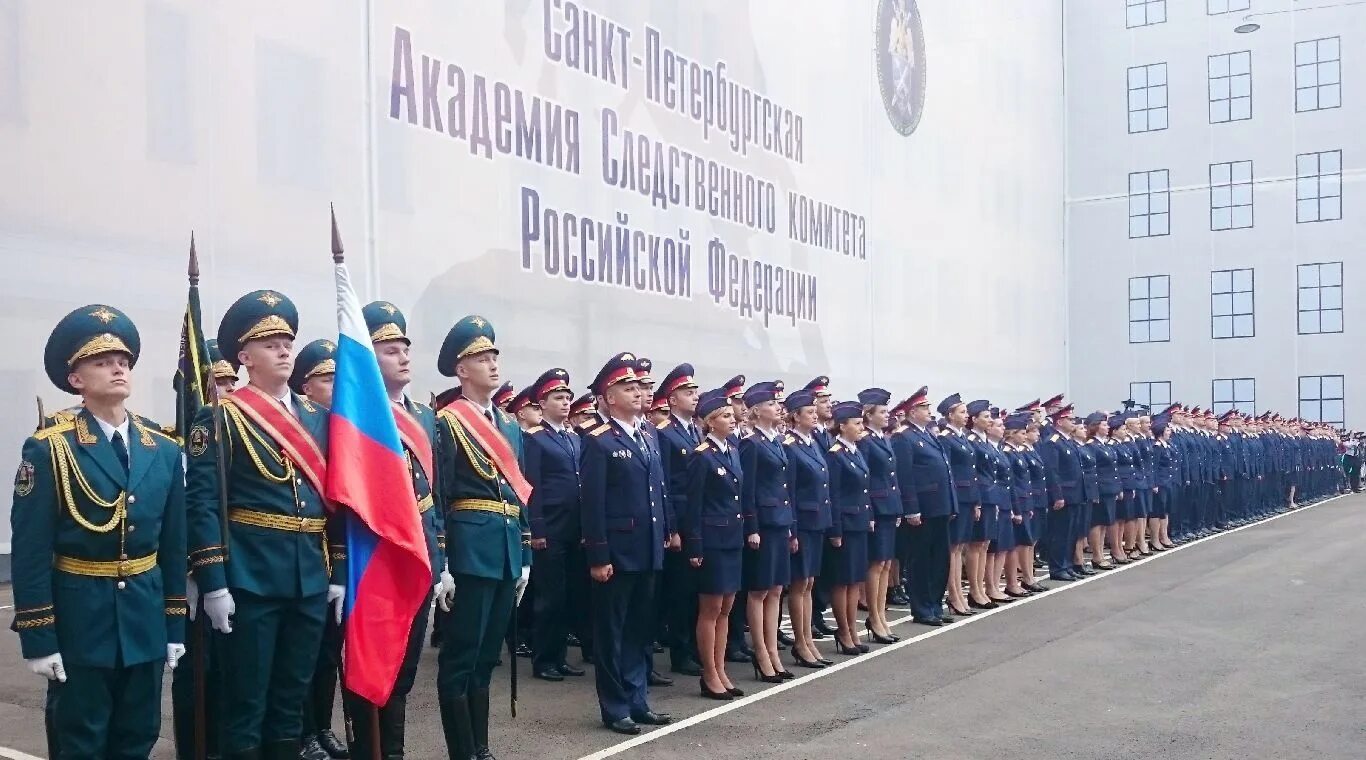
(749, 699)
(14, 754)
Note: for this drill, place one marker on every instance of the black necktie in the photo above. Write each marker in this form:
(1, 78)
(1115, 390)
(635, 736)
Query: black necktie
(120, 450)
(488, 415)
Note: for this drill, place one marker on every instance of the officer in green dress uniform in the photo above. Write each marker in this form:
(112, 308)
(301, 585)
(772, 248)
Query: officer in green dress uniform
(417, 431)
(99, 546)
(481, 489)
(315, 369)
(267, 585)
(183, 680)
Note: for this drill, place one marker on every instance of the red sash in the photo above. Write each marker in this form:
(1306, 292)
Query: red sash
(491, 440)
(285, 430)
(414, 436)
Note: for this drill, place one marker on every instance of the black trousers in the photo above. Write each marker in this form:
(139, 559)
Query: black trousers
(928, 560)
(623, 616)
(677, 600)
(1061, 538)
(200, 642)
(322, 691)
(559, 582)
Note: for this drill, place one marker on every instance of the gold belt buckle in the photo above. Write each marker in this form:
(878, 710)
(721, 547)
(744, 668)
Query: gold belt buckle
(123, 568)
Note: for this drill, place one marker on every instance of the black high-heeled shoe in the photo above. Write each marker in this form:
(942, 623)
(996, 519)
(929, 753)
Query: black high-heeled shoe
(877, 637)
(840, 648)
(825, 662)
(760, 676)
(734, 692)
(800, 662)
(973, 603)
(786, 675)
(720, 696)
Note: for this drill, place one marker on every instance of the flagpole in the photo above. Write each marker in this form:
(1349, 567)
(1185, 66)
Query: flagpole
(201, 744)
(339, 259)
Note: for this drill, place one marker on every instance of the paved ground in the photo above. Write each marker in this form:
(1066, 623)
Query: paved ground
(1246, 645)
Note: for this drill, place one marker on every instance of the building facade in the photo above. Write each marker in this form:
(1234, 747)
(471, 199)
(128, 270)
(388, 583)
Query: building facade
(1214, 205)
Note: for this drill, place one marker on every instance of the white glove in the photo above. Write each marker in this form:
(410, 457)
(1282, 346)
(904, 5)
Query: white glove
(445, 591)
(192, 596)
(49, 667)
(219, 606)
(173, 654)
(521, 583)
(336, 596)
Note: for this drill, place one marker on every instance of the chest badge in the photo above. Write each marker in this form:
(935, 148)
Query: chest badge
(24, 479)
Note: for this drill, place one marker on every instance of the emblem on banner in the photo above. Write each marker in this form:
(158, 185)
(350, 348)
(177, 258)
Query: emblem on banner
(900, 53)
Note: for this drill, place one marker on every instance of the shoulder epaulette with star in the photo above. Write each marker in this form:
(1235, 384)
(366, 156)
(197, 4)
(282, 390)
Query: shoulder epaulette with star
(789, 439)
(1055, 438)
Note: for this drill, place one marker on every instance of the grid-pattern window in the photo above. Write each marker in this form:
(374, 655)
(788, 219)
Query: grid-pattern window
(1150, 309)
(1232, 304)
(1155, 394)
(1145, 12)
(1318, 186)
(1230, 195)
(1320, 297)
(1147, 98)
(1216, 7)
(1149, 203)
(1321, 398)
(1235, 393)
(1318, 74)
(1230, 87)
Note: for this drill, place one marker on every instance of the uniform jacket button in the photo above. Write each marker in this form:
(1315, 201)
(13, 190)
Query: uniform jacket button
(132, 527)
(122, 585)
(132, 499)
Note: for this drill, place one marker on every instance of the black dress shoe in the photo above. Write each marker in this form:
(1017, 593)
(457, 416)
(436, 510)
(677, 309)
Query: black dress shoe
(1082, 570)
(1036, 588)
(569, 670)
(819, 624)
(947, 619)
(817, 634)
(735, 655)
(332, 745)
(659, 679)
(931, 622)
(1062, 577)
(548, 674)
(312, 750)
(973, 604)
(624, 726)
(523, 650)
(1016, 594)
(652, 718)
(785, 638)
(688, 668)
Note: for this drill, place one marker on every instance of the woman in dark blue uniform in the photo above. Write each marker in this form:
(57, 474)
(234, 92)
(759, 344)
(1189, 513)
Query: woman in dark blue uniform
(1141, 443)
(1166, 472)
(983, 531)
(963, 466)
(810, 486)
(1105, 513)
(851, 521)
(1021, 494)
(766, 495)
(1126, 508)
(1090, 489)
(885, 496)
(715, 523)
(1028, 535)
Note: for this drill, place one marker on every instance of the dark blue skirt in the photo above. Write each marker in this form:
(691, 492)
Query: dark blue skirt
(847, 564)
(985, 529)
(882, 541)
(720, 572)
(769, 565)
(1103, 513)
(806, 563)
(960, 527)
(1004, 540)
(1025, 533)
(1145, 502)
(1161, 503)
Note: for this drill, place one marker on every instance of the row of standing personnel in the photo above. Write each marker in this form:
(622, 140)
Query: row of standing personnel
(106, 530)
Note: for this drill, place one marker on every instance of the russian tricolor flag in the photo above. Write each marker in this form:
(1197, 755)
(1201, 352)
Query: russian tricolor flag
(389, 572)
